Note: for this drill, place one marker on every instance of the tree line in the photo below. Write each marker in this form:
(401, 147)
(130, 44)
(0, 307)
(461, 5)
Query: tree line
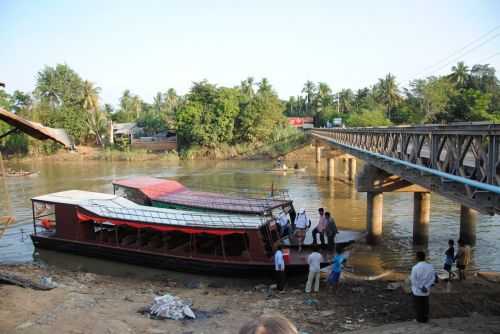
(465, 94)
(251, 112)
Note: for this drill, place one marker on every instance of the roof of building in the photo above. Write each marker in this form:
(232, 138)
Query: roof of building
(123, 128)
(35, 130)
(173, 192)
(114, 207)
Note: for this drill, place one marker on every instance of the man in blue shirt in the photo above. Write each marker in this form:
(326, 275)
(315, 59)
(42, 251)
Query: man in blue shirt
(279, 267)
(338, 265)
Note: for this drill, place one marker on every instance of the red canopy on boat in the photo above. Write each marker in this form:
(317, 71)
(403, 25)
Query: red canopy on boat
(82, 217)
(151, 186)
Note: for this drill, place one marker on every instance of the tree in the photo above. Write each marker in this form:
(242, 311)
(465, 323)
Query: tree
(96, 120)
(459, 75)
(387, 92)
(310, 91)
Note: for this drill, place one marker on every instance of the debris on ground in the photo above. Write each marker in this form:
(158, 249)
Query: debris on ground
(170, 307)
(45, 283)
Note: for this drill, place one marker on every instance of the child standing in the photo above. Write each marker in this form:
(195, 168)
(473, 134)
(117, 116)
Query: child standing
(462, 258)
(338, 265)
(449, 258)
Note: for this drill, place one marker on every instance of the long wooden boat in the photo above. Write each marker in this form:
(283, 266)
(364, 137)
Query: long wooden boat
(112, 227)
(174, 195)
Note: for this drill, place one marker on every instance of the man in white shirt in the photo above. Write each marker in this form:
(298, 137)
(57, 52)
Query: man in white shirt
(320, 228)
(422, 278)
(283, 224)
(314, 260)
(279, 267)
(301, 225)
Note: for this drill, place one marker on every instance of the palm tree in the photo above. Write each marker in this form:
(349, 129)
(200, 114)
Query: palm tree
(387, 92)
(136, 106)
(310, 91)
(346, 100)
(47, 87)
(324, 95)
(90, 103)
(459, 75)
(158, 102)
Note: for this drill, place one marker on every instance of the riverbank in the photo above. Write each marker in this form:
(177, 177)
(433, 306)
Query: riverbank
(222, 152)
(87, 302)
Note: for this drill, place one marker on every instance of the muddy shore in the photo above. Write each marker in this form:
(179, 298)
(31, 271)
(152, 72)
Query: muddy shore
(85, 302)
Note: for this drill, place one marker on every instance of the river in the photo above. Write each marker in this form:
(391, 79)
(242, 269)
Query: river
(310, 190)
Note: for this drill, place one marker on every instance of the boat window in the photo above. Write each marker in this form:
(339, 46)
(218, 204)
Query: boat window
(208, 244)
(235, 244)
(274, 235)
(127, 236)
(178, 241)
(151, 239)
(133, 195)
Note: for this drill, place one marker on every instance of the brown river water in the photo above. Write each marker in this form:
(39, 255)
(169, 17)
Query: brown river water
(310, 190)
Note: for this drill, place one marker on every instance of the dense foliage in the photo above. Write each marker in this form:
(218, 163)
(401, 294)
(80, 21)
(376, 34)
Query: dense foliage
(250, 113)
(463, 95)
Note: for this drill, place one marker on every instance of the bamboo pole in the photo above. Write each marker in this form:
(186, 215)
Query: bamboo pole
(5, 221)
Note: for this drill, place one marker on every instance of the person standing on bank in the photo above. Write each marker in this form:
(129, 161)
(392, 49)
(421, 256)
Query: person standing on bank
(320, 228)
(422, 278)
(331, 231)
(449, 259)
(314, 260)
(337, 266)
(283, 224)
(302, 222)
(462, 258)
(279, 267)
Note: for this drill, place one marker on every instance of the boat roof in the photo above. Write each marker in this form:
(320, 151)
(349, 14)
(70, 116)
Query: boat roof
(118, 208)
(173, 192)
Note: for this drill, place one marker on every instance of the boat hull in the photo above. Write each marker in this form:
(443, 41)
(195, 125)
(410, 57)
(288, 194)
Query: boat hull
(161, 261)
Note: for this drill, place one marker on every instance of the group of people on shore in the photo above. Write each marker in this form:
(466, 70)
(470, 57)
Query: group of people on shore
(423, 276)
(326, 227)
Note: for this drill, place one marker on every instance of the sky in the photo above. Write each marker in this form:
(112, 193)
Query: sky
(150, 46)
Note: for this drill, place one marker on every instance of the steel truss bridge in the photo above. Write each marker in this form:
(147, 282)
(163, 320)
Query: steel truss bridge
(459, 161)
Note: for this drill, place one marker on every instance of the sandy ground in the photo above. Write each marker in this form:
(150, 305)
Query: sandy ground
(95, 303)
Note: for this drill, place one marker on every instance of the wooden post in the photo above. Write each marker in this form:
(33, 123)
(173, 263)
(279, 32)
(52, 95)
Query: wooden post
(374, 209)
(421, 217)
(468, 222)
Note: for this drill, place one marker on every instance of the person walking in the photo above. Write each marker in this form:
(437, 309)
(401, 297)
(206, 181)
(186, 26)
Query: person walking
(331, 231)
(462, 258)
(422, 278)
(314, 260)
(279, 267)
(302, 222)
(449, 259)
(320, 228)
(337, 266)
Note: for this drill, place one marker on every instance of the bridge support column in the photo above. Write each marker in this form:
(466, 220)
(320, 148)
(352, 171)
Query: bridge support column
(421, 217)
(468, 222)
(374, 209)
(351, 169)
(330, 168)
(318, 153)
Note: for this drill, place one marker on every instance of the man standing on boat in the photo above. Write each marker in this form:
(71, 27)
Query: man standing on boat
(331, 231)
(283, 224)
(320, 228)
(279, 267)
(302, 222)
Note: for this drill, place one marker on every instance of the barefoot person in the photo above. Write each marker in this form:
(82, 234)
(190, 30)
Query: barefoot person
(449, 258)
(331, 231)
(314, 260)
(422, 278)
(462, 258)
(302, 222)
(338, 265)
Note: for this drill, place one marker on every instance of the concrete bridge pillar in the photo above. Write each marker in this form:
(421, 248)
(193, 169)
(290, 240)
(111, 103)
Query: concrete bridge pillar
(351, 169)
(318, 153)
(468, 222)
(374, 209)
(330, 168)
(421, 217)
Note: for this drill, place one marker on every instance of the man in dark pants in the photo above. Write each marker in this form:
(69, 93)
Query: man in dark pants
(279, 266)
(331, 231)
(422, 278)
(320, 228)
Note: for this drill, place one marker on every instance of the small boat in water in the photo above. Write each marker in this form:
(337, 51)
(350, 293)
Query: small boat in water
(14, 173)
(112, 227)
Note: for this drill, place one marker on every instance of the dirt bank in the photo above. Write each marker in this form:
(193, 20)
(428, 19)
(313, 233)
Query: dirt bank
(94, 303)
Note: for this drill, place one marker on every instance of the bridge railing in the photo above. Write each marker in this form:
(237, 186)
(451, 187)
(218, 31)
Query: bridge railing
(468, 151)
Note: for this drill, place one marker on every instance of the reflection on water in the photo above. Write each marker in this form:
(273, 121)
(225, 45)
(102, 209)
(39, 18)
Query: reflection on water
(310, 190)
